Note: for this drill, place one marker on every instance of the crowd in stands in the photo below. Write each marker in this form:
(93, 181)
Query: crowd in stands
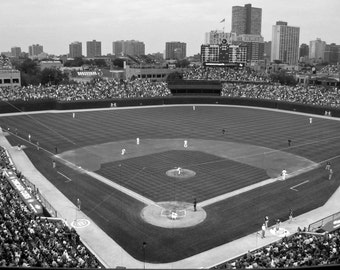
(143, 60)
(225, 74)
(28, 240)
(331, 70)
(313, 94)
(99, 89)
(299, 250)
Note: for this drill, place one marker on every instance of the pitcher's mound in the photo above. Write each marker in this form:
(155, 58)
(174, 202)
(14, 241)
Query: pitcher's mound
(173, 214)
(180, 173)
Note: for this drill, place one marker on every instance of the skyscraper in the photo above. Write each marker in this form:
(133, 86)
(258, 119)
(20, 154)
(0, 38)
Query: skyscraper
(246, 20)
(35, 50)
(285, 43)
(128, 47)
(93, 48)
(175, 50)
(75, 49)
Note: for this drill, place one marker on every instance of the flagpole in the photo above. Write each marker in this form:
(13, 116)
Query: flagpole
(224, 24)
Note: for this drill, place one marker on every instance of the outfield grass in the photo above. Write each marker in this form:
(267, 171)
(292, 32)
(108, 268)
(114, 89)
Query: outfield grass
(119, 215)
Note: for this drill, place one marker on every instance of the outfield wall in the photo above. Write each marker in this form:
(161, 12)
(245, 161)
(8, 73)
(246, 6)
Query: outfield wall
(39, 105)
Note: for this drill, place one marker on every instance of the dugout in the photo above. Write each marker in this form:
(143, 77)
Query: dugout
(195, 87)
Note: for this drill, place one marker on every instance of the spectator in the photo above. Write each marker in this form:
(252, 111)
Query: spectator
(33, 241)
(299, 250)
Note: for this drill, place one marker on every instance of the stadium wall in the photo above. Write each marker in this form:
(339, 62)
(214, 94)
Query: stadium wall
(48, 104)
(26, 106)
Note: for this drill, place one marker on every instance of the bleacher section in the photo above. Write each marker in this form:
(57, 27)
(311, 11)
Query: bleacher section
(29, 239)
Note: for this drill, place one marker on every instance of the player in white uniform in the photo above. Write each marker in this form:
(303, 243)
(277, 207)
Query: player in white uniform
(330, 174)
(263, 229)
(123, 151)
(284, 174)
(185, 143)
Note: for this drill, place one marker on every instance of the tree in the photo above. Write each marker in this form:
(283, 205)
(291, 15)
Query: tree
(283, 78)
(27, 79)
(30, 72)
(101, 63)
(182, 63)
(52, 76)
(29, 67)
(174, 76)
(76, 62)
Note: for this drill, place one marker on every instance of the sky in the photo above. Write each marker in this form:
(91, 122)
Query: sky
(57, 23)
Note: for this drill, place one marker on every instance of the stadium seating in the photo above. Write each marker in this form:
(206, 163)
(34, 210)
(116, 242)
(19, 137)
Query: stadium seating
(225, 74)
(29, 240)
(87, 91)
(313, 95)
(302, 249)
(32, 241)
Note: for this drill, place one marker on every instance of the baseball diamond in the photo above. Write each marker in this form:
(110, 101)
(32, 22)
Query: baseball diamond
(147, 194)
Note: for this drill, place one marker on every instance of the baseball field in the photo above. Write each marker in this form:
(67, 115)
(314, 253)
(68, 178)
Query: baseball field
(196, 178)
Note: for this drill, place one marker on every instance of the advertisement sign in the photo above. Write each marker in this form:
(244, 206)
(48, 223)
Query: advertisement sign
(32, 203)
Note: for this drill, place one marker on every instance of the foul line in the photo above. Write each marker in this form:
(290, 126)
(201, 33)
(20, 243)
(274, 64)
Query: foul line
(293, 187)
(69, 179)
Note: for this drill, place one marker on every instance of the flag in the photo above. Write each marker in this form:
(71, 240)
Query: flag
(222, 21)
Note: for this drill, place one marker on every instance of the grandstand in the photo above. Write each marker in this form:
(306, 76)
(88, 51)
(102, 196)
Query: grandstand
(29, 236)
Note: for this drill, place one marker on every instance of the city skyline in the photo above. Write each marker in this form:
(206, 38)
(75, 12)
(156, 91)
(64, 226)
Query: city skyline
(56, 24)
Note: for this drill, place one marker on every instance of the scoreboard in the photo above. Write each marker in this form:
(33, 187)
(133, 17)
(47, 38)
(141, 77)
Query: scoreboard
(224, 51)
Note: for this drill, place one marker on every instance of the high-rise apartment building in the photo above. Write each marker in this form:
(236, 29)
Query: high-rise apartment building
(246, 20)
(317, 50)
(35, 50)
(128, 47)
(303, 53)
(118, 48)
(332, 54)
(15, 51)
(93, 48)
(175, 50)
(285, 43)
(267, 51)
(304, 50)
(75, 49)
